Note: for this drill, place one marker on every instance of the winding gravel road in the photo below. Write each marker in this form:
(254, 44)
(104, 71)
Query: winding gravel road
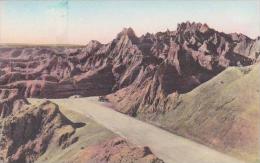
(165, 145)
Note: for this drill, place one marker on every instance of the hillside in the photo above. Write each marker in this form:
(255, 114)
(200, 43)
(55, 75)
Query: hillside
(222, 113)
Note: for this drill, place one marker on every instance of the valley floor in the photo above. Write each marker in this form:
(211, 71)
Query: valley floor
(165, 145)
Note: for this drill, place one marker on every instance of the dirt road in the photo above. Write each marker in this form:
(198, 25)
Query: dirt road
(165, 145)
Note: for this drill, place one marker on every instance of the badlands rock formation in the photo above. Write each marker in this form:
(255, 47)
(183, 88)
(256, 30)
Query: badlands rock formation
(27, 132)
(165, 62)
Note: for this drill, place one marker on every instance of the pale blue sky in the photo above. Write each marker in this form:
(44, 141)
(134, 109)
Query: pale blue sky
(78, 22)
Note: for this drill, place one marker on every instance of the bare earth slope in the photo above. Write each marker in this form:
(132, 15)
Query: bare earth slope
(222, 113)
(169, 147)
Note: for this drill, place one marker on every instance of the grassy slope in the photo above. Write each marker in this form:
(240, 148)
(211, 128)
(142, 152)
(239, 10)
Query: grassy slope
(222, 113)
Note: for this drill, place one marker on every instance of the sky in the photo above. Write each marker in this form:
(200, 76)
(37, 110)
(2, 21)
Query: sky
(79, 21)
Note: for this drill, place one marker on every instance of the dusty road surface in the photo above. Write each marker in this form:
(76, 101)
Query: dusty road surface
(165, 145)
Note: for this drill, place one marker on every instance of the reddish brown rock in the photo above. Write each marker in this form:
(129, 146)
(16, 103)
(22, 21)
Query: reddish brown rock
(117, 150)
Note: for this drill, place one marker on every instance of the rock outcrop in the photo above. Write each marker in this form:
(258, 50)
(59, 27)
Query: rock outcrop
(117, 150)
(176, 62)
(10, 102)
(26, 134)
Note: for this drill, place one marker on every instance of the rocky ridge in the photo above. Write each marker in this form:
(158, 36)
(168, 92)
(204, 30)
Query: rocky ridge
(165, 62)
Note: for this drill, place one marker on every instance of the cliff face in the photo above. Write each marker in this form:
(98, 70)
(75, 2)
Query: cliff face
(10, 102)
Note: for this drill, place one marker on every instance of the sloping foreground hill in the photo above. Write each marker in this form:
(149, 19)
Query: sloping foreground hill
(222, 113)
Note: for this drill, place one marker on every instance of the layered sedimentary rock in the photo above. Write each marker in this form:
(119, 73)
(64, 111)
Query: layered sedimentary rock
(171, 61)
(46, 72)
(116, 150)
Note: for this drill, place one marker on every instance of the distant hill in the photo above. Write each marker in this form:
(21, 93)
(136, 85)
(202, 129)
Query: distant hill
(20, 45)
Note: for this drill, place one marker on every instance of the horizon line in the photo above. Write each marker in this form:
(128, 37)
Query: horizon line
(79, 44)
